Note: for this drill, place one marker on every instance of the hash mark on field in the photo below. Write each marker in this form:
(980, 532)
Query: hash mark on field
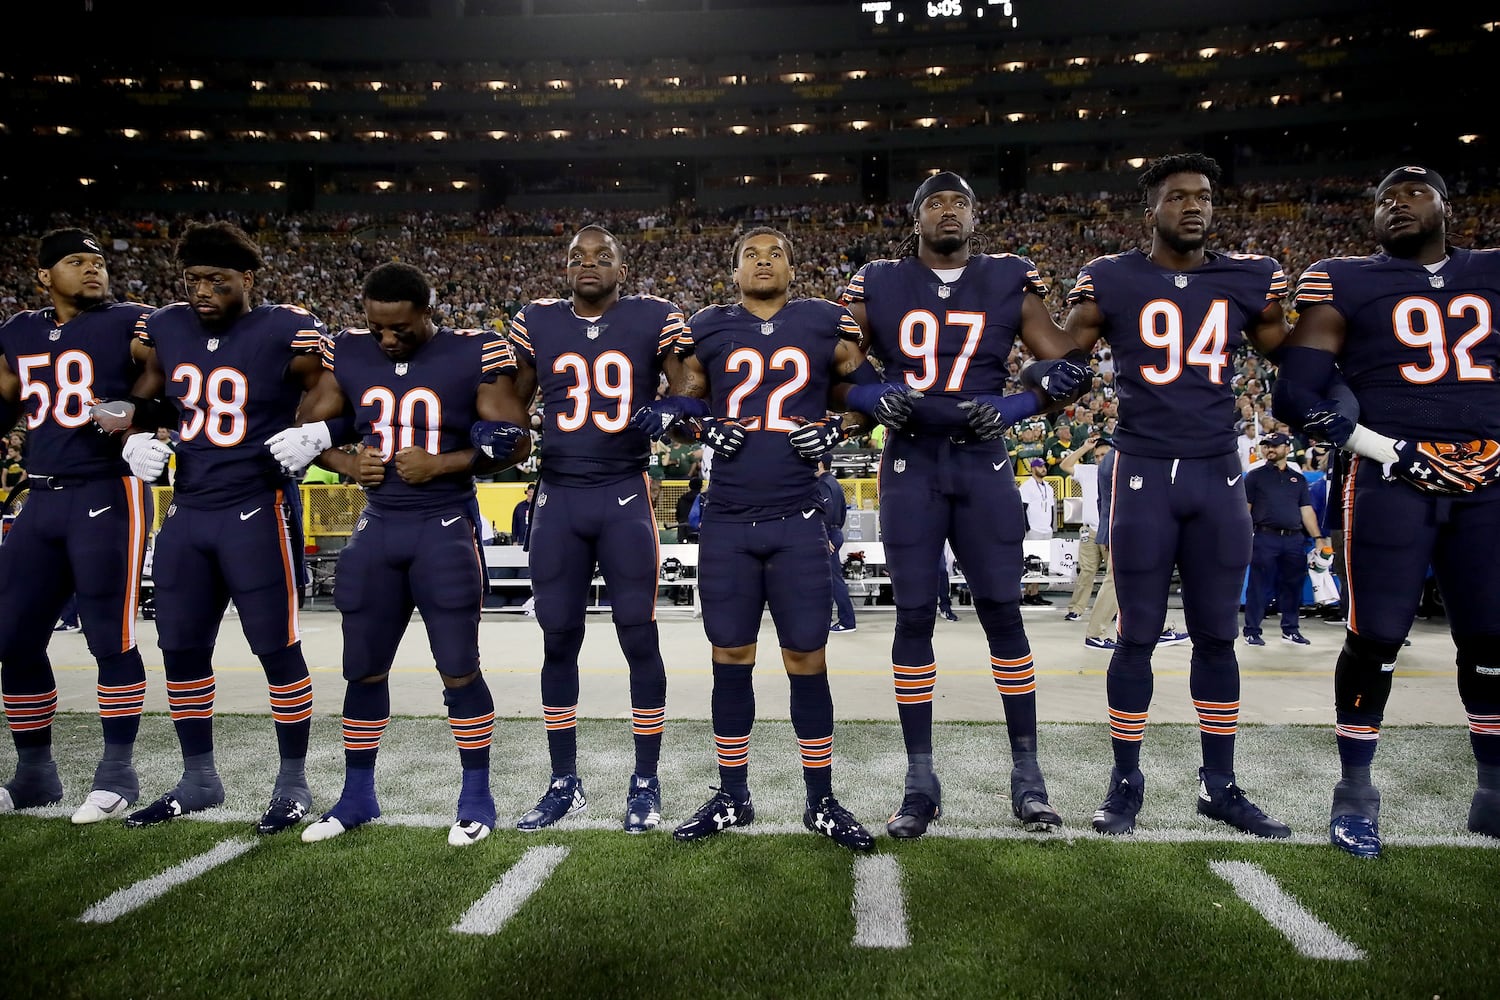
(1307, 933)
(133, 897)
(879, 905)
(490, 912)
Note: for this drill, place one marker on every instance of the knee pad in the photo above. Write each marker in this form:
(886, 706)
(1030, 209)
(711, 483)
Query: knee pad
(560, 647)
(640, 644)
(1000, 619)
(917, 623)
(1478, 669)
(1362, 676)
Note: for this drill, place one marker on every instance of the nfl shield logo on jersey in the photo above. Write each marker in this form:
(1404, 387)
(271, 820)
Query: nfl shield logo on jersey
(899, 465)
(1436, 280)
(1180, 280)
(1136, 482)
(401, 368)
(55, 335)
(213, 343)
(767, 328)
(944, 291)
(594, 330)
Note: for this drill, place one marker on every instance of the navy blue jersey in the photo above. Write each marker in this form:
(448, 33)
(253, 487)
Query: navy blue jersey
(64, 369)
(593, 374)
(1174, 335)
(763, 373)
(952, 340)
(1420, 351)
(427, 402)
(233, 390)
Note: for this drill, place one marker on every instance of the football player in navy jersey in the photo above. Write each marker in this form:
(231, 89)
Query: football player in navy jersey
(83, 527)
(417, 391)
(594, 358)
(941, 321)
(765, 365)
(236, 373)
(1174, 317)
(1412, 331)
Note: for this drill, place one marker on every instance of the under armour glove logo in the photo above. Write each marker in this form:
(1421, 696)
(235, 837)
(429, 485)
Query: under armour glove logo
(1445, 468)
(815, 438)
(725, 437)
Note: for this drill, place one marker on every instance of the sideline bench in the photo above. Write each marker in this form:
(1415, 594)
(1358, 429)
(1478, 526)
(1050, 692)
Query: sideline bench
(510, 576)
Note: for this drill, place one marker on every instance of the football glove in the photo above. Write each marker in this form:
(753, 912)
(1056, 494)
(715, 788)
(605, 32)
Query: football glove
(1445, 469)
(298, 447)
(496, 438)
(1060, 378)
(657, 418)
(815, 438)
(888, 402)
(1326, 422)
(990, 416)
(726, 437)
(113, 415)
(146, 456)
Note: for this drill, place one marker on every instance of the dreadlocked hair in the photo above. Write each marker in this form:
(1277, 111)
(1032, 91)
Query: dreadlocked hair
(908, 245)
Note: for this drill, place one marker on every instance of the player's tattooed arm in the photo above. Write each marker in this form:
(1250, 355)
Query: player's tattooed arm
(686, 377)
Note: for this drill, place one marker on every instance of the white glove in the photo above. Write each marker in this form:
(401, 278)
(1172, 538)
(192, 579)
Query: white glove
(147, 456)
(298, 447)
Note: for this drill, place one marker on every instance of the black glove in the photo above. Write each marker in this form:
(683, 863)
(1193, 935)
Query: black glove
(815, 438)
(657, 418)
(1060, 378)
(888, 402)
(1326, 422)
(726, 437)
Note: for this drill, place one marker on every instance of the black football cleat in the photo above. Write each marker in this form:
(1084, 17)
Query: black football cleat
(642, 804)
(916, 813)
(1356, 835)
(1116, 814)
(838, 824)
(280, 815)
(1028, 801)
(562, 797)
(1229, 805)
(1484, 813)
(717, 814)
(163, 809)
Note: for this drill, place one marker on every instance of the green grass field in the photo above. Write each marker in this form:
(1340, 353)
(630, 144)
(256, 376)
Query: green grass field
(976, 909)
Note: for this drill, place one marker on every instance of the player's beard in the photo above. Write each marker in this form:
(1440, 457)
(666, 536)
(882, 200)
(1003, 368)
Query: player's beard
(946, 245)
(1410, 243)
(87, 300)
(1181, 243)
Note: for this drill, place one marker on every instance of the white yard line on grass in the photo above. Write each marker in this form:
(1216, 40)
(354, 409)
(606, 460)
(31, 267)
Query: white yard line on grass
(1309, 935)
(490, 912)
(879, 904)
(136, 896)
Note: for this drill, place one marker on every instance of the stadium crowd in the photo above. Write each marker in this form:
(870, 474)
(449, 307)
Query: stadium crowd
(486, 265)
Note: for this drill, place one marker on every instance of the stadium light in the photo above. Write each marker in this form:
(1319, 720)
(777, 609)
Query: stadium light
(859, 125)
(384, 185)
(927, 122)
(1205, 105)
(1469, 138)
(499, 134)
(437, 134)
(1013, 67)
(1142, 57)
(131, 133)
(856, 74)
(499, 84)
(739, 129)
(276, 185)
(1207, 53)
(1016, 116)
(1137, 162)
(86, 181)
(459, 185)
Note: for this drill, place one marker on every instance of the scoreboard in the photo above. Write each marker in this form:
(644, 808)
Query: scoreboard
(897, 18)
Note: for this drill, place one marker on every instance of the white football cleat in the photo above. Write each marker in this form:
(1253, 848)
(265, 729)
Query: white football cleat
(100, 806)
(324, 829)
(7, 804)
(465, 834)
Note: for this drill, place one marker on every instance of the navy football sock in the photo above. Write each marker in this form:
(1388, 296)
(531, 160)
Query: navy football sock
(732, 706)
(560, 697)
(915, 674)
(291, 697)
(475, 802)
(122, 694)
(190, 697)
(367, 711)
(1214, 682)
(1129, 686)
(471, 717)
(1012, 669)
(648, 693)
(812, 720)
